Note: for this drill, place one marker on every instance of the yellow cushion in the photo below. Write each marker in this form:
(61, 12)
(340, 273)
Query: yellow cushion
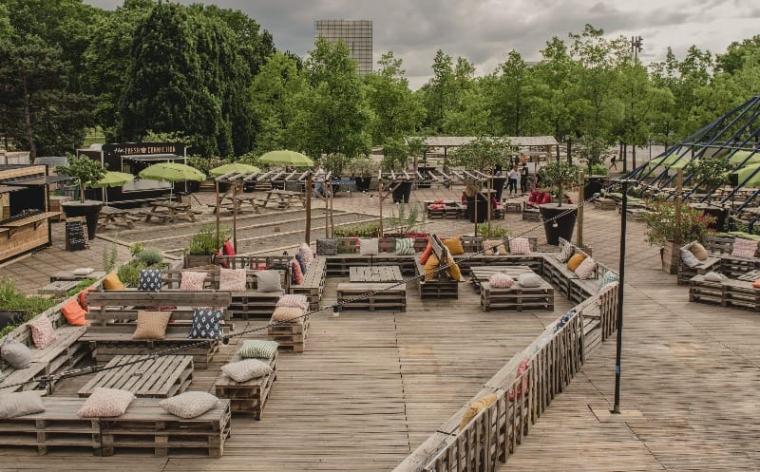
(699, 251)
(454, 270)
(575, 261)
(476, 407)
(454, 245)
(112, 282)
(431, 267)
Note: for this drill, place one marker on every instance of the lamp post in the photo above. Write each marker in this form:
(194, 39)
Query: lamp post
(621, 290)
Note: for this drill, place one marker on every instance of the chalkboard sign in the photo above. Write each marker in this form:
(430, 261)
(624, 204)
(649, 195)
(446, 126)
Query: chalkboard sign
(75, 237)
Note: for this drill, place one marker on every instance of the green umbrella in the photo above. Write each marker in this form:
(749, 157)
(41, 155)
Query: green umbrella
(236, 167)
(286, 158)
(671, 162)
(739, 157)
(745, 177)
(172, 172)
(113, 179)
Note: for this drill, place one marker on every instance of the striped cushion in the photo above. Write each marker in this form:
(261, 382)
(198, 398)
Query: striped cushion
(258, 348)
(404, 246)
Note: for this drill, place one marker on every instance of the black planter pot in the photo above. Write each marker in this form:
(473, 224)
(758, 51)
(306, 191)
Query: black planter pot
(564, 224)
(90, 209)
(10, 318)
(594, 184)
(402, 193)
(362, 184)
(482, 210)
(498, 185)
(720, 215)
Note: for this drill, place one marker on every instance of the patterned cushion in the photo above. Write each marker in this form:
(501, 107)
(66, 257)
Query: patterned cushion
(306, 254)
(565, 252)
(268, 281)
(288, 314)
(586, 269)
(431, 268)
(112, 282)
(575, 261)
(299, 258)
(13, 404)
(519, 246)
(744, 248)
(245, 370)
(529, 280)
(74, 313)
(106, 402)
(192, 280)
(327, 247)
(258, 348)
(151, 324)
(426, 253)
(454, 246)
(476, 407)
(368, 247)
(699, 251)
(294, 301)
(607, 278)
(42, 330)
(688, 258)
(207, 324)
(405, 246)
(494, 247)
(16, 354)
(500, 280)
(150, 280)
(232, 280)
(189, 404)
(296, 273)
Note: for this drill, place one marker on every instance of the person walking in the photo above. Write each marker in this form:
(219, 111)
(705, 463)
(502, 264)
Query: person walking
(613, 162)
(524, 179)
(513, 180)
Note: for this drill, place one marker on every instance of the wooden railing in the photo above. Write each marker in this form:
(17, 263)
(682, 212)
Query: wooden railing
(522, 392)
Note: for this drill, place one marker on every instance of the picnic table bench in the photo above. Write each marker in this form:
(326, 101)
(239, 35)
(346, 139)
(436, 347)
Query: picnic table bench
(117, 217)
(243, 202)
(250, 396)
(145, 376)
(168, 212)
(378, 274)
(283, 198)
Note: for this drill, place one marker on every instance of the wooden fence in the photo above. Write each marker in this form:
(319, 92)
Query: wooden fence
(524, 388)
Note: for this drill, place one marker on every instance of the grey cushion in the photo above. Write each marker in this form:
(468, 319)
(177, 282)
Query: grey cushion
(243, 371)
(714, 277)
(327, 247)
(566, 251)
(268, 281)
(17, 355)
(529, 280)
(689, 258)
(189, 404)
(15, 404)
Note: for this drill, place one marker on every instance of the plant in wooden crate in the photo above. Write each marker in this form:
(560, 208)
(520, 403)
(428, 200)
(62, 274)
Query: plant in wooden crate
(16, 307)
(492, 232)
(363, 230)
(204, 245)
(668, 232)
(559, 220)
(85, 172)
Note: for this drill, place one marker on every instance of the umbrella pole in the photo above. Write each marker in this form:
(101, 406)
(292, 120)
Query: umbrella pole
(308, 208)
(234, 214)
(218, 204)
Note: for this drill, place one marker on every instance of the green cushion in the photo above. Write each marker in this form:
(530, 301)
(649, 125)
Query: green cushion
(258, 348)
(405, 246)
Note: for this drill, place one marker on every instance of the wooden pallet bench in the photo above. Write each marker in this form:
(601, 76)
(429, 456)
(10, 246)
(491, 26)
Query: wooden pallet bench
(736, 293)
(517, 297)
(450, 210)
(380, 296)
(313, 286)
(147, 427)
(604, 203)
(442, 285)
(247, 397)
(734, 266)
(146, 377)
(110, 333)
(480, 274)
(558, 274)
(340, 264)
(290, 336)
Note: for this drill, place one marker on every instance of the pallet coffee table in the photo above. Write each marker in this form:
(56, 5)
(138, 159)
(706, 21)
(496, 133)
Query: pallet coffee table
(379, 274)
(481, 274)
(146, 377)
(515, 297)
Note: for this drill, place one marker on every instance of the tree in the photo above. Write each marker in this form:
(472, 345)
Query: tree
(556, 89)
(483, 153)
(439, 94)
(737, 53)
(511, 96)
(85, 172)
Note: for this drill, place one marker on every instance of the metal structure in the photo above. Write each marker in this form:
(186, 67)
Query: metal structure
(357, 34)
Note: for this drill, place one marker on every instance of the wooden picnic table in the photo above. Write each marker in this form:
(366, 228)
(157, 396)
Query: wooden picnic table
(379, 274)
(284, 198)
(114, 216)
(168, 211)
(160, 377)
(243, 202)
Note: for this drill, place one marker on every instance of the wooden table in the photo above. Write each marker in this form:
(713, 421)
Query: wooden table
(284, 198)
(242, 202)
(372, 296)
(113, 216)
(168, 212)
(379, 274)
(160, 377)
(515, 297)
(480, 274)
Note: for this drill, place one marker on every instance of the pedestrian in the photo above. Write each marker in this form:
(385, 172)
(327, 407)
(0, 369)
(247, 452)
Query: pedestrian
(524, 179)
(513, 175)
(613, 162)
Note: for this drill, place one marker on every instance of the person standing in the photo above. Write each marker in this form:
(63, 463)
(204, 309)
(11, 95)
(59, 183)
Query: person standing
(524, 178)
(513, 180)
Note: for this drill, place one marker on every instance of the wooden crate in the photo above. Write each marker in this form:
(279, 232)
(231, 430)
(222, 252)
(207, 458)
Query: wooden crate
(146, 377)
(58, 427)
(147, 427)
(290, 336)
(247, 397)
(516, 298)
(512, 207)
(605, 204)
(253, 305)
(379, 296)
(531, 214)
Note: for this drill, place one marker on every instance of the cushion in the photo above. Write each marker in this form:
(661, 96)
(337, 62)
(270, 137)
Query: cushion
(288, 314)
(82, 297)
(522, 367)
(529, 280)
(207, 324)
(607, 278)
(106, 402)
(112, 282)
(368, 247)
(293, 300)
(500, 280)
(150, 280)
(534, 197)
(519, 246)
(545, 198)
(228, 249)
(245, 370)
(296, 272)
(494, 247)
(221, 261)
(425, 255)
(454, 246)
(586, 268)
(232, 280)
(699, 251)
(13, 404)
(327, 247)
(688, 258)
(258, 348)
(268, 281)
(431, 267)
(744, 248)
(454, 271)
(565, 252)
(305, 251)
(301, 262)
(405, 246)
(476, 407)
(151, 324)
(74, 313)
(16, 354)
(189, 404)
(192, 280)
(713, 276)
(42, 330)
(575, 261)
(756, 284)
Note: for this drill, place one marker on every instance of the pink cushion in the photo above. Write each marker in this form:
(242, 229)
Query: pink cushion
(192, 280)
(534, 197)
(306, 253)
(106, 402)
(228, 249)
(519, 246)
(43, 333)
(295, 268)
(500, 280)
(232, 280)
(744, 248)
(546, 198)
(586, 269)
(294, 301)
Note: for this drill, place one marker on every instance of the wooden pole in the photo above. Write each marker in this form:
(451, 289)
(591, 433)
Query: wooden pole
(327, 209)
(580, 202)
(488, 208)
(234, 214)
(679, 200)
(332, 213)
(308, 208)
(475, 207)
(381, 198)
(218, 210)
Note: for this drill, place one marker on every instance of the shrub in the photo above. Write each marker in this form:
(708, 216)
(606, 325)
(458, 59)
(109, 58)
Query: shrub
(204, 242)
(11, 299)
(149, 257)
(662, 227)
(599, 169)
(364, 230)
(129, 273)
(492, 231)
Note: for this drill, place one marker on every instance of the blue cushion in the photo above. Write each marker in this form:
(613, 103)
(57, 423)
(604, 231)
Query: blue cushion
(301, 263)
(150, 280)
(207, 324)
(607, 278)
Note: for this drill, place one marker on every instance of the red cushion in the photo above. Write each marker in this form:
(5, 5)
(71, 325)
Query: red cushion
(534, 196)
(222, 262)
(426, 253)
(297, 276)
(229, 249)
(74, 313)
(82, 297)
(547, 198)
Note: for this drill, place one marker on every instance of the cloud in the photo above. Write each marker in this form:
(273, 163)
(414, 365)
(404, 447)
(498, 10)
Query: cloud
(484, 31)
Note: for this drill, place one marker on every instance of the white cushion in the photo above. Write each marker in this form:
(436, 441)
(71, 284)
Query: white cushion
(189, 404)
(713, 276)
(243, 371)
(689, 258)
(368, 247)
(13, 404)
(586, 269)
(566, 251)
(529, 280)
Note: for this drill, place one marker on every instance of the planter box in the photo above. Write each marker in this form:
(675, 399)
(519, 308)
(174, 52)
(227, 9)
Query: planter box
(197, 261)
(671, 256)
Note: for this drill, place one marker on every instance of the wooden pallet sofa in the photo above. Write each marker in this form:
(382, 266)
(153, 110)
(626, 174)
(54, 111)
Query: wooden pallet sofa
(62, 354)
(721, 259)
(567, 281)
(338, 265)
(441, 285)
(372, 296)
(474, 255)
(113, 322)
(252, 304)
(248, 397)
(726, 292)
(444, 209)
(314, 280)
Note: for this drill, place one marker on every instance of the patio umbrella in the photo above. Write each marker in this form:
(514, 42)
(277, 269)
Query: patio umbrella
(112, 179)
(172, 172)
(286, 158)
(671, 162)
(739, 157)
(236, 167)
(744, 176)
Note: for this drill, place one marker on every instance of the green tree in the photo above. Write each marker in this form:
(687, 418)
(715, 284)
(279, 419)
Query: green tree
(484, 153)
(556, 91)
(512, 96)
(439, 94)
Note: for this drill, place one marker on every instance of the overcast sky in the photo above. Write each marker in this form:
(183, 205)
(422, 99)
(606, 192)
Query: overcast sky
(485, 30)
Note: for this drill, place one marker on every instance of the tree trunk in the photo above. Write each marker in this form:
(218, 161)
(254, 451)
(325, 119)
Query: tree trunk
(633, 163)
(28, 123)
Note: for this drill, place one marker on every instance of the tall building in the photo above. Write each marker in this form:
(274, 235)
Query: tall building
(357, 34)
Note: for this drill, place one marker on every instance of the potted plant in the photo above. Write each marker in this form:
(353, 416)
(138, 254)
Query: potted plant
(362, 169)
(204, 245)
(396, 159)
(559, 218)
(663, 230)
(85, 172)
(707, 173)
